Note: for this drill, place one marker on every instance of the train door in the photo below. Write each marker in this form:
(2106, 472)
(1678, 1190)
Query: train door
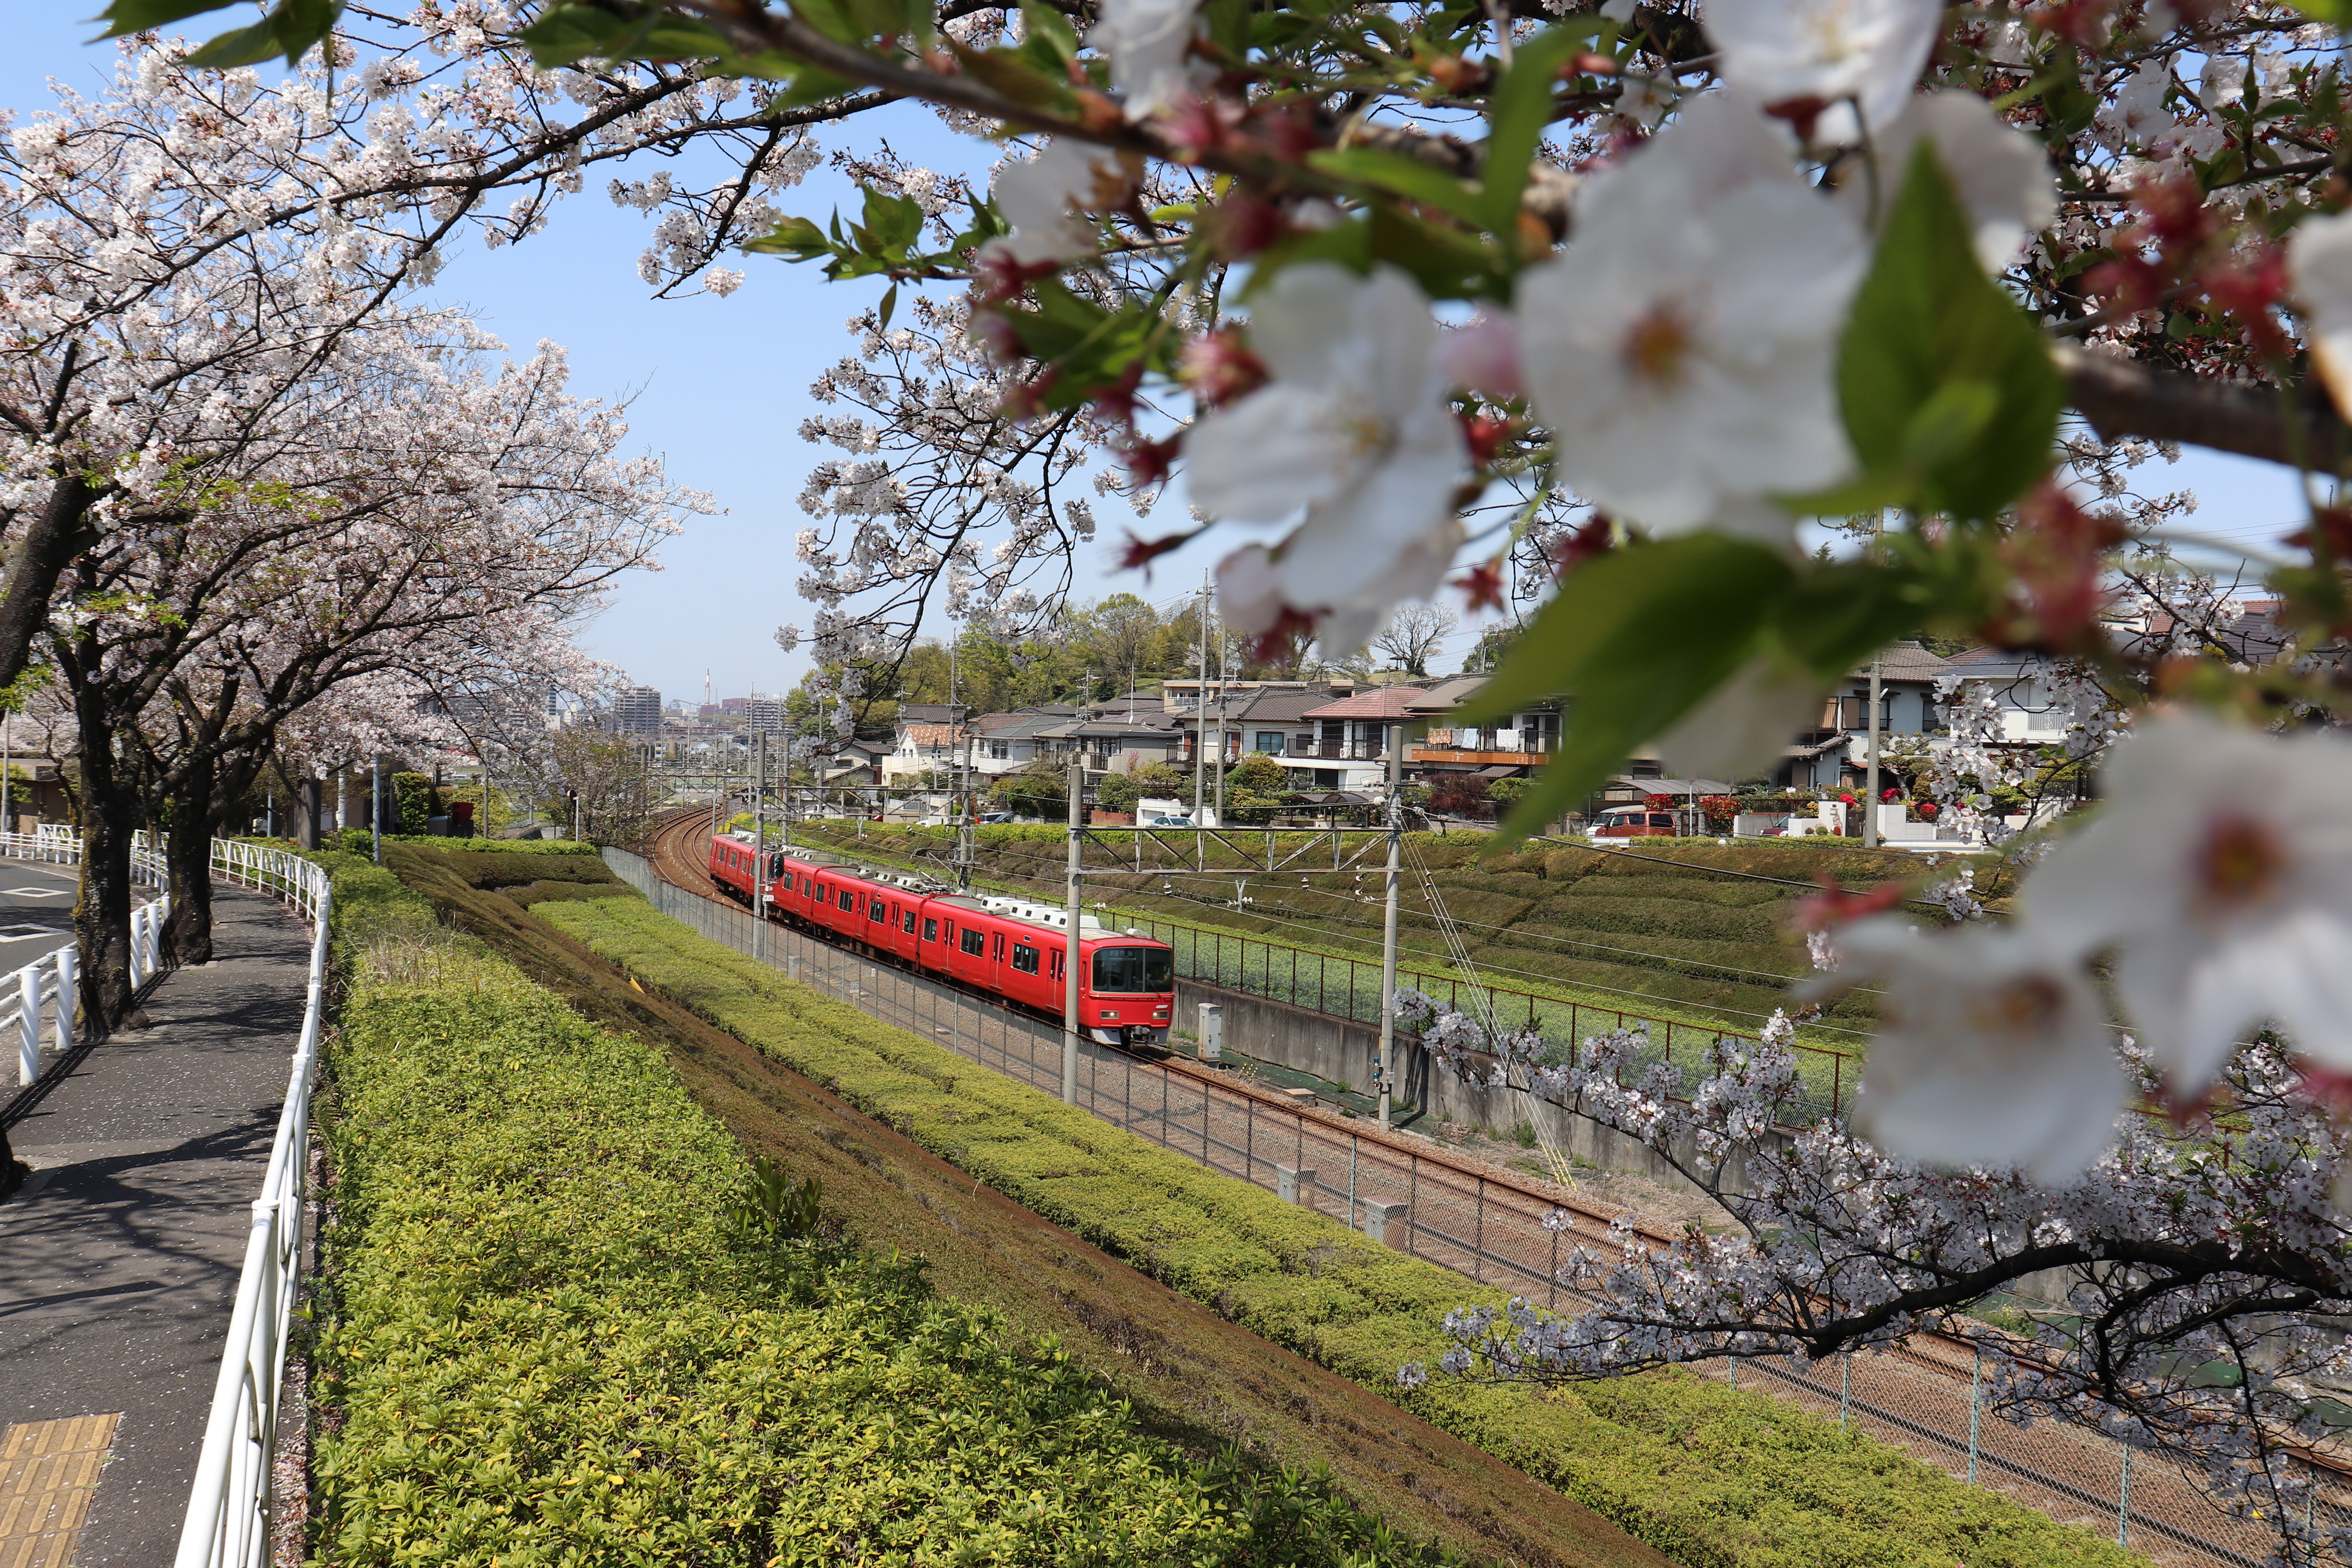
(931, 940)
(970, 960)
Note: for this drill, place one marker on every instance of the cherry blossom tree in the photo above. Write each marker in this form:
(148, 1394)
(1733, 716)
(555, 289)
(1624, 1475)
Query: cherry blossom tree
(428, 515)
(1605, 302)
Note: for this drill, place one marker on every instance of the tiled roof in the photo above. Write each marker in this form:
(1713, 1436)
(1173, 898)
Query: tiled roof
(1384, 702)
(931, 735)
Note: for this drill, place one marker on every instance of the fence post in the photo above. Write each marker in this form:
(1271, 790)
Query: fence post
(1249, 1138)
(2123, 1504)
(1976, 1409)
(1846, 1387)
(1351, 1181)
(1478, 1246)
(29, 1025)
(1413, 1202)
(69, 959)
(138, 943)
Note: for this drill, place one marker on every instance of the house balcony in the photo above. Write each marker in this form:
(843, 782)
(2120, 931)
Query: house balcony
(1461, 757)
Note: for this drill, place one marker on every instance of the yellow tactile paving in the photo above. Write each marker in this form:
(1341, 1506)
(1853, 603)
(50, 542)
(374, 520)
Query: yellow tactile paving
(48, 1474)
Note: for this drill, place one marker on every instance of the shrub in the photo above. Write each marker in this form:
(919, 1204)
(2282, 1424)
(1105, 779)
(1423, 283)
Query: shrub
(1712, 1477)
(551, 1339)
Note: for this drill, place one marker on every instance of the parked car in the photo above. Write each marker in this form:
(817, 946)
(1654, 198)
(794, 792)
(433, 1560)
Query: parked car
(987, 818)
(1634, 822)
(1165, 821)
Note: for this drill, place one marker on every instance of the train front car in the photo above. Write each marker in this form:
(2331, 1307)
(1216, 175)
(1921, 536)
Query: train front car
(732, 866)
(1127, 990)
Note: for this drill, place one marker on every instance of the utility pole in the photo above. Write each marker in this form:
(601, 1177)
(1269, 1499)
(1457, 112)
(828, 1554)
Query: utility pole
(1077, 788)
(8, 770)
(1870, 791)
(1381, 1070)
(1221, 673)
(759, 839)
(1870, 788)
(1201, 704)
(375, 804)
(785, 809)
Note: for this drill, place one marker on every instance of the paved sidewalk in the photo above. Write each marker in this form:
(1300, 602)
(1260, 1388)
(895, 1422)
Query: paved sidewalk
(118, 1261)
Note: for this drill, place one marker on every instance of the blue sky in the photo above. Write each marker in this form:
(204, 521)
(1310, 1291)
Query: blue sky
(718, 388)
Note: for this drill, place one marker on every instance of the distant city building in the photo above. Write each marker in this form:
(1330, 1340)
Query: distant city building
(734, 704)
(765, 716)
(637, 710)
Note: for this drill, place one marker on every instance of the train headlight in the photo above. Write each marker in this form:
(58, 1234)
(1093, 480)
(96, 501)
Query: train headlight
(1109, 1014)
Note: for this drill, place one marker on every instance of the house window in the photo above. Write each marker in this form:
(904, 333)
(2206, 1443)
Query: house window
(975, 943)
(1025, 958)
(1000, 750)
(931, 931)
(1270, 742)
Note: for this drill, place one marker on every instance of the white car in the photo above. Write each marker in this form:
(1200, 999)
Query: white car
(1167, 822)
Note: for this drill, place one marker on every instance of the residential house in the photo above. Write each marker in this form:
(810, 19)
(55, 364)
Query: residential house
(927, 739)
(1351, 741)
(1512, 746)
(1115, 742)
(1007, 743)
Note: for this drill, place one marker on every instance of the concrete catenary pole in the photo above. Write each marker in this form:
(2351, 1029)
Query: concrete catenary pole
(375, 804)
(760, 838)
(1382, 1066)
(1077, 788)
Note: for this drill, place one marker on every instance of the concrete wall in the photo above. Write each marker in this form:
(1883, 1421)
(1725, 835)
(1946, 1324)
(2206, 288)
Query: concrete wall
(1342, 1052)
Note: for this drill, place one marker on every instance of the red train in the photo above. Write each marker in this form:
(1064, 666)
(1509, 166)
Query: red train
(1007, 947)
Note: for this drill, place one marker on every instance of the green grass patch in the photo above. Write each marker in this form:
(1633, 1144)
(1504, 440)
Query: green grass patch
(544, 1343)
(1713, 1477)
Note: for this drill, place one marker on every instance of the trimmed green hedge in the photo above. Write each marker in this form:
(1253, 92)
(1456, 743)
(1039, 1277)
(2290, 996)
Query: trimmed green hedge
(1713, 1477)
(543, 1344)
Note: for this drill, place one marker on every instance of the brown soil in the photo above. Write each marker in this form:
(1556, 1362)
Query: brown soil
(1191, 1376)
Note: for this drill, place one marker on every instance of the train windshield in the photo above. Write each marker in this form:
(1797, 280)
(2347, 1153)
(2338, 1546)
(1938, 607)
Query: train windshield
(1134, 968)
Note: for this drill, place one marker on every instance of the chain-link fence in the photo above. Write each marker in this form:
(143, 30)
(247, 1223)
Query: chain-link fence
(1510, 1231)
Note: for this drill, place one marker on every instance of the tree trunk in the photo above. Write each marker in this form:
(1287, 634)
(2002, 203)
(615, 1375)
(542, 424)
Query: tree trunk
(59, 530)
(197, 811)
(109, 815)
(306, 814)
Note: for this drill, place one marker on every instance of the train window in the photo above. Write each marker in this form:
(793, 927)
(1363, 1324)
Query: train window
(908, 925)
(788, 881)
(999, 954)
(1025, 958)
(1057, 964)
(975, 943)
(849, 899)
(931, 931)
(876, 911)
(1134, 968)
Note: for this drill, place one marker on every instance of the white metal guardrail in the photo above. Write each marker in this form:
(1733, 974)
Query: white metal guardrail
(48, 981)
(230, 1505)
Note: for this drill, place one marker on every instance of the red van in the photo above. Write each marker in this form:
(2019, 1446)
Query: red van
(1636, 822)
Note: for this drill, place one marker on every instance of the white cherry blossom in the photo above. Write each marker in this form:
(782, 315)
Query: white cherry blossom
(2220, 870)
(1991, 1050)
(1353, 428)
(2000, 174)
(1147, 42)
(2319, 265)
(1743, 728)
(1046, 199)
(1871, 51)
(1681, 350)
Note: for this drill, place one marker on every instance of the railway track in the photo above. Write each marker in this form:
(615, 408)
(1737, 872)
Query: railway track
(1492, 1225)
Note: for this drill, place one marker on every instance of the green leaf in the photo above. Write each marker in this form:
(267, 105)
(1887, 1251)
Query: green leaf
(1946, 386)
(1636, 639)
(139, 15)
(1050, 32)
(1447, 263)
(797, 237)
(889, 305)
(1519, 111)
(1402, 175)
(571, 33)
(244, 47)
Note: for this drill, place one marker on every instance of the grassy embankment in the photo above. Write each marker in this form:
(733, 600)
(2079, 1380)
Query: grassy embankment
(549, 1204)
(1710, 1476)
(551, 1336)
